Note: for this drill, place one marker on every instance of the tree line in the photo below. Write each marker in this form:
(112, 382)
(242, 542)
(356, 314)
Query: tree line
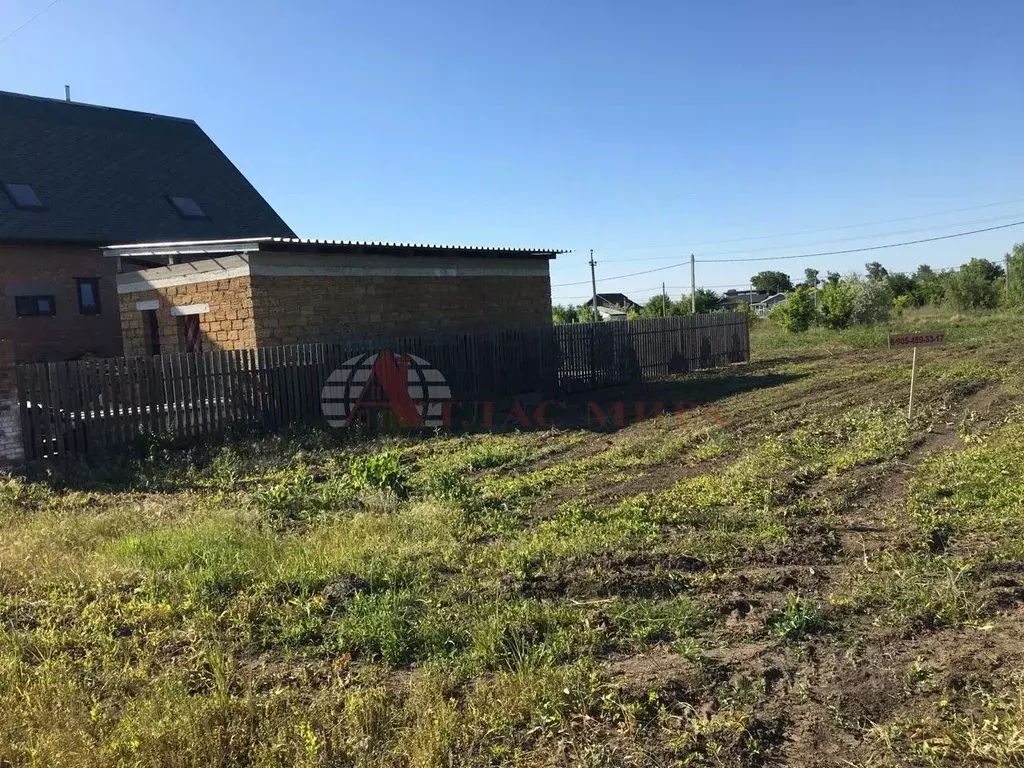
(839, 301)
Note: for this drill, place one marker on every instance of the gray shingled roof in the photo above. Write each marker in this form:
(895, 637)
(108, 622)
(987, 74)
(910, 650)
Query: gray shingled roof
(616, 300)
(104, 175)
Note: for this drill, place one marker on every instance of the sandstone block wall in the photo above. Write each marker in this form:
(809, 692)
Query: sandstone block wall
(228, 325)
(292, 310)
(261, 300)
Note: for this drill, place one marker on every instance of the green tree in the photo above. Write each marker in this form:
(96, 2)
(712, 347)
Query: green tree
(707, 301)
(563, 315)
(661, 306)
(833, 278)
(924, 273)
(837, 301)
(811, 277)
(873, 303)
(771, 281)
(876, 271)
(797, 313)
(903, 286)
(931, 286)
(569, 313)
(976, 285)
(1015, 283)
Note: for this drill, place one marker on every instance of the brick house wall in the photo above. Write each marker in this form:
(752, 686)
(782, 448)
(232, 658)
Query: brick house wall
(264, 300)
(12, 449)
(51, 270)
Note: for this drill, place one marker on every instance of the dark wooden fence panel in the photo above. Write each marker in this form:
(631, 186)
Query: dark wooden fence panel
(88, 406)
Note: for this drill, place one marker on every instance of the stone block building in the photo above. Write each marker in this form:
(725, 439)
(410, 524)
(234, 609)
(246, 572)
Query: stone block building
(222, 295)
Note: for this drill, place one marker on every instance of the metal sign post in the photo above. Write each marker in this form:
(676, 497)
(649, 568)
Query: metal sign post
(915, 340)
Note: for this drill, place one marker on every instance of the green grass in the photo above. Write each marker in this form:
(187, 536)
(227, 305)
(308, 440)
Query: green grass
(665, 594)
(964, 727)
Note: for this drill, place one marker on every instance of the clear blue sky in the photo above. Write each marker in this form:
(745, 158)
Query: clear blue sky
(579, 125)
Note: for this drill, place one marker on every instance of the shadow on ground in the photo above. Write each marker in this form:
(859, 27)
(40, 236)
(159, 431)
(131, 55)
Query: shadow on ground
(168, 462)
(614, 408)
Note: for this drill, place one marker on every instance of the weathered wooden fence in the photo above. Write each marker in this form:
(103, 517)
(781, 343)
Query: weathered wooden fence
(596, 355)
(87, 406)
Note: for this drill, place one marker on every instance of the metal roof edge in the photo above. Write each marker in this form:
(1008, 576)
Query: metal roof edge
(257, 243)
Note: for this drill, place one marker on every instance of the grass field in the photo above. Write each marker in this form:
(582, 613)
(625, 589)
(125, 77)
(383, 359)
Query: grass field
(791, 574)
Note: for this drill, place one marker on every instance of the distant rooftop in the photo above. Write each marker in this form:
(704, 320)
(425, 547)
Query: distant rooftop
(82, 173)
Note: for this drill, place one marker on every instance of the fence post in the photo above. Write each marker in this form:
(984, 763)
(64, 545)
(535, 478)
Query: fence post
(12, 446)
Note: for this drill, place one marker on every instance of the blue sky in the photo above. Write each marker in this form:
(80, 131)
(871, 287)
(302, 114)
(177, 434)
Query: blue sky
(643, 130)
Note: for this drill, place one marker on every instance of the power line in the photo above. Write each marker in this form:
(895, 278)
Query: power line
(864, 249)
(18, 29)
(835, 240)
(818, 231)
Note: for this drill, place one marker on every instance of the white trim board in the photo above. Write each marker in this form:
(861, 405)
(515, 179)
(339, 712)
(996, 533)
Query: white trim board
(147, 306)
(190, 309)
(144, 282)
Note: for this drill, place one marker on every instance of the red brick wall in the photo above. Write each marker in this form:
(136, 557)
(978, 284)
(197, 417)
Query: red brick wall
(68, 334)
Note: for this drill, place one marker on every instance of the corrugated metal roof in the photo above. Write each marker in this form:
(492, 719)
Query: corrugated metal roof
(255, 243)
(385, 244)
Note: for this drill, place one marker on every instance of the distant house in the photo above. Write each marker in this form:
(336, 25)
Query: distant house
(762, 308)
(732, 299)
(616, 301)
(611, 313)
(76, 177)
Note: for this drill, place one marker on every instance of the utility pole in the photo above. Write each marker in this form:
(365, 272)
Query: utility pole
(693, 285)
(1007, 275)
(664, 301)
(593, 282)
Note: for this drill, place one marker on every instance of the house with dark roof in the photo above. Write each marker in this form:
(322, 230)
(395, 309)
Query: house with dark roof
(75, 178)
(617, 301)
(732, 299)
(763, 308)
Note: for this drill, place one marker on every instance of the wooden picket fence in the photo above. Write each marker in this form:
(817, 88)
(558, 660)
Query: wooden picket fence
(89, 406)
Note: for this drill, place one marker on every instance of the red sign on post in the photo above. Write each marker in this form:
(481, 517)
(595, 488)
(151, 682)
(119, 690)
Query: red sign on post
(924, 339)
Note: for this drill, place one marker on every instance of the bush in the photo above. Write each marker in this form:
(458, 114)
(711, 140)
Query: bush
(873, 303)
(976, 286)
(837, 302)
(798, 313)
